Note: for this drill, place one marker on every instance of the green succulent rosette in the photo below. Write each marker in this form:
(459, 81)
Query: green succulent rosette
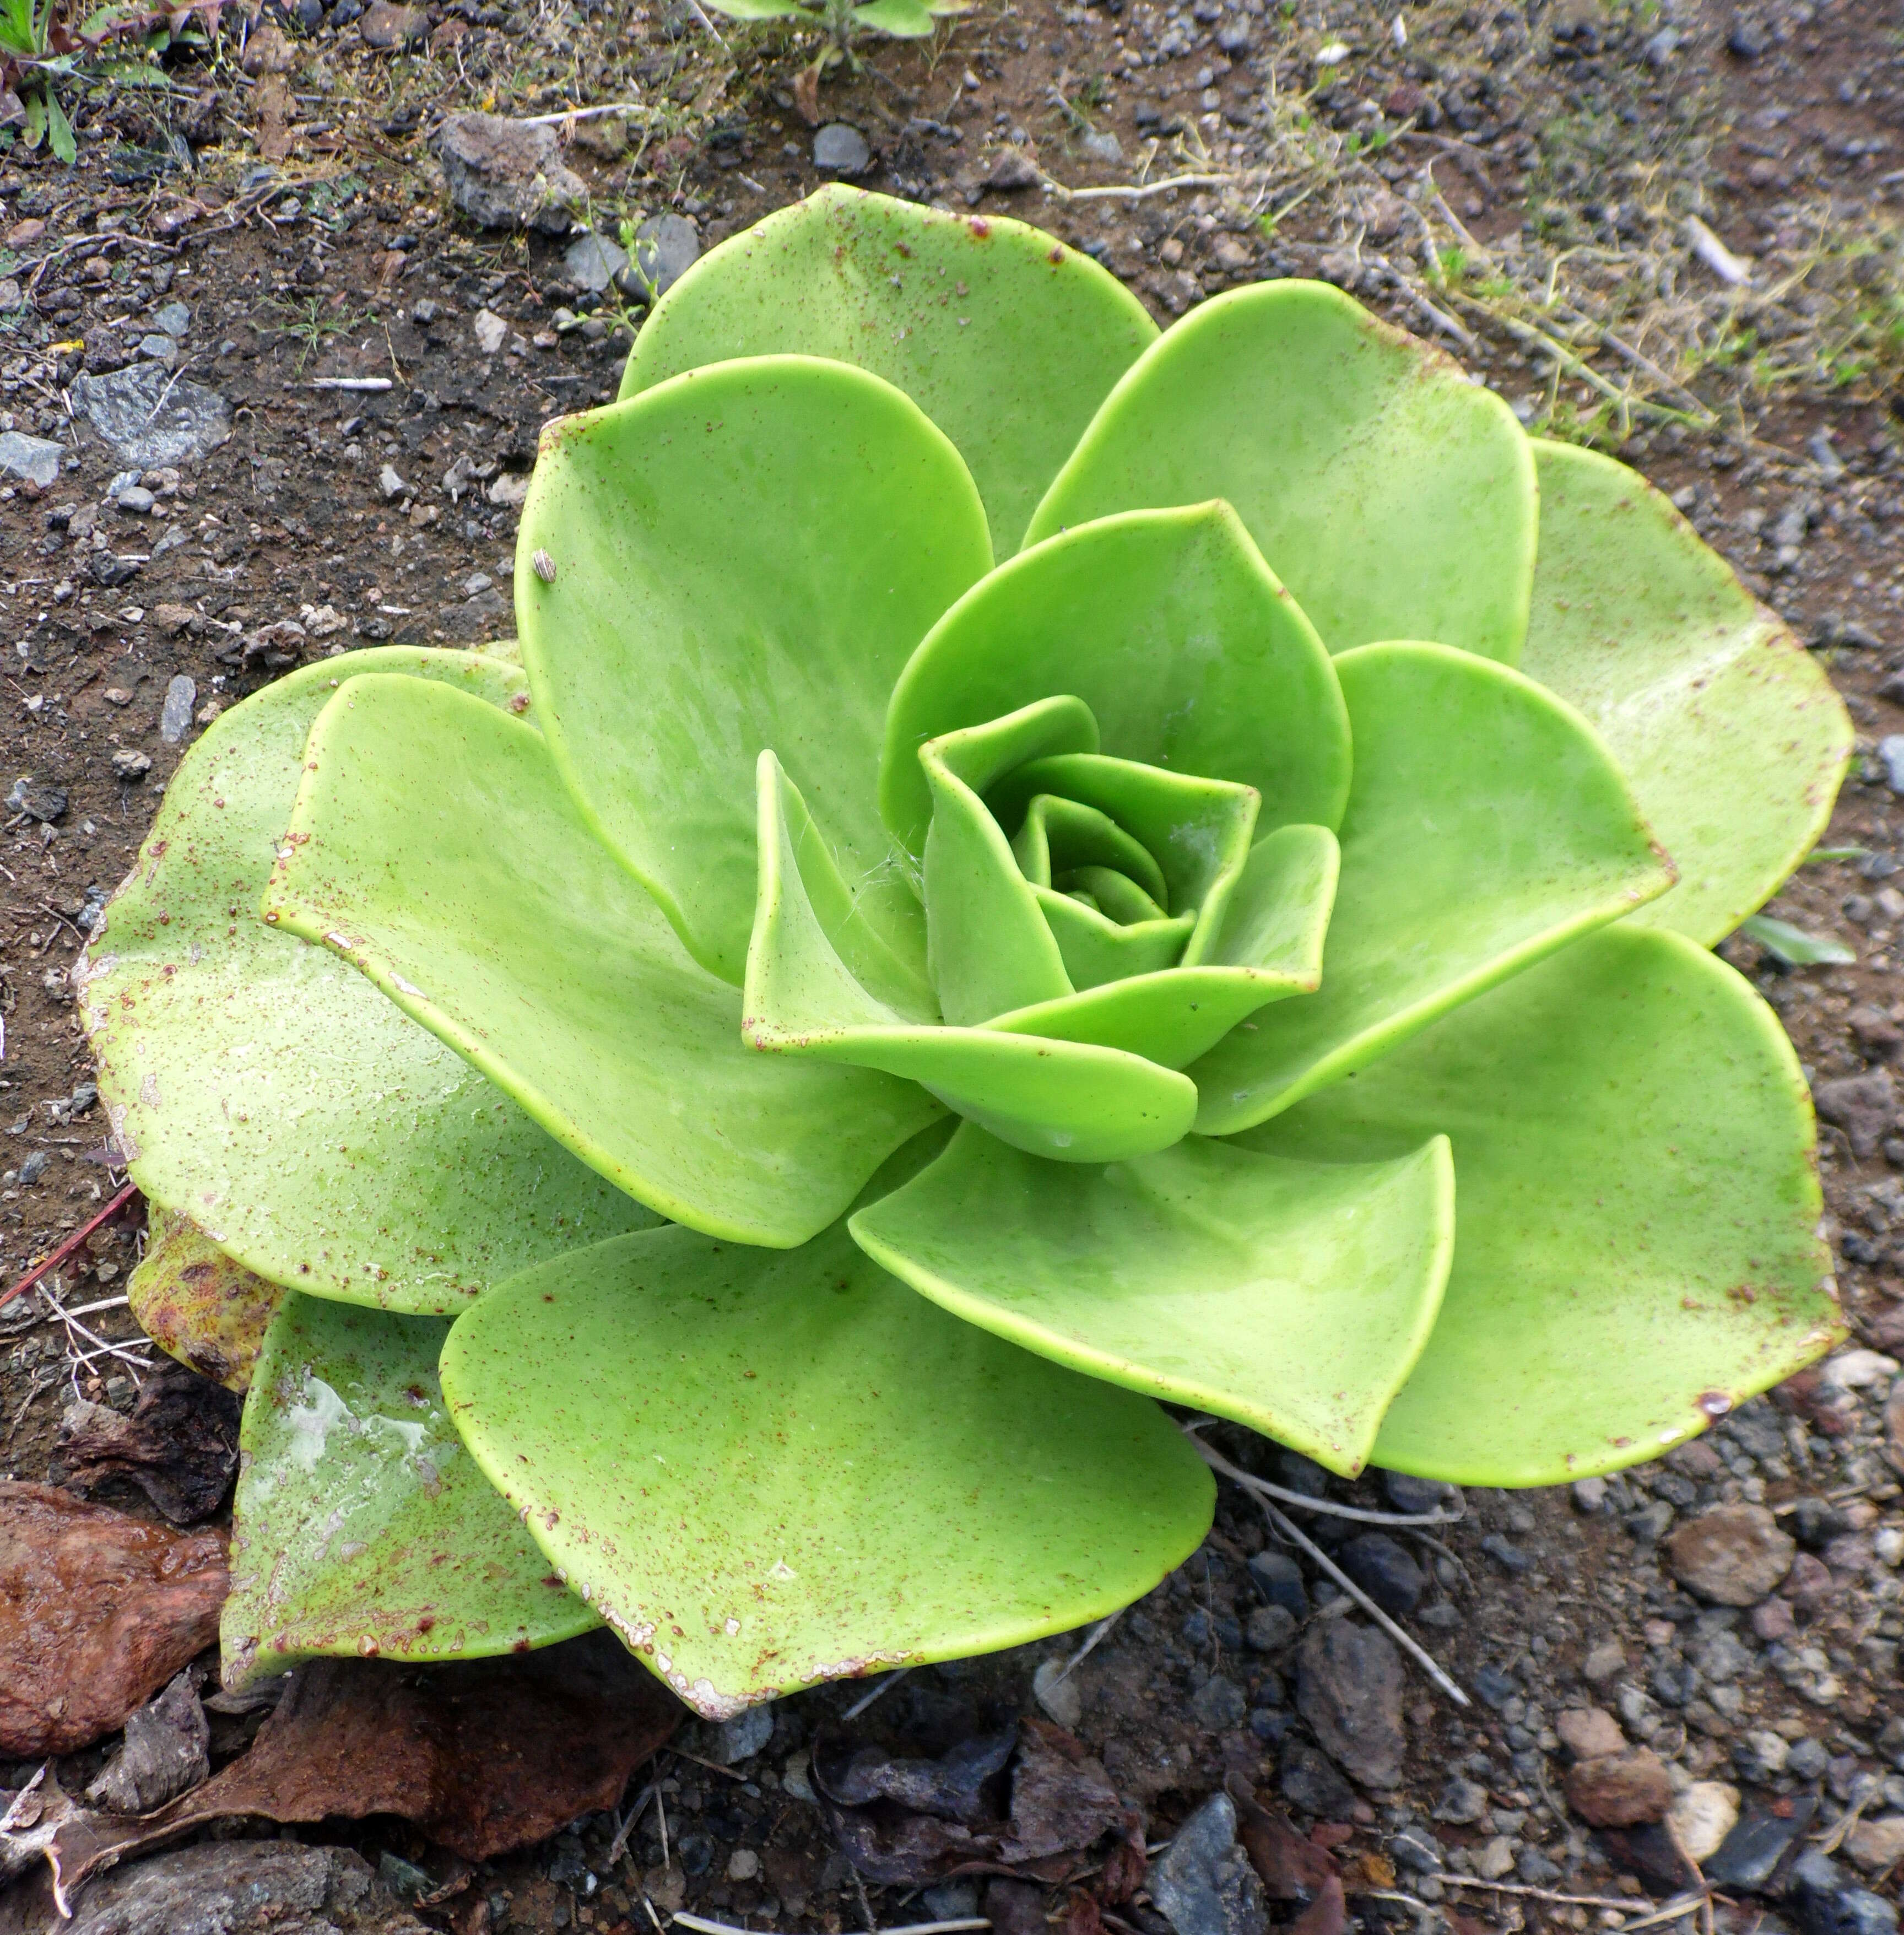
(1028, 867)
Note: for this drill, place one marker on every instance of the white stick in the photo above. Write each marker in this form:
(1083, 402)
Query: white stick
(1717, 257)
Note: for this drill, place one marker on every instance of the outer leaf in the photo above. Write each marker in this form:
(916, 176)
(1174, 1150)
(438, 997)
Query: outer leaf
(1729, 730)
(361, 1525)
(1169, 626)
(197, 1305)
(1470, 848)
(826, 1476)
(1293, 1296)
(1007, 340)
(434, 846)
(1637, 1247)
(220, 1043)
(661, 670)
(905, 19)
(1395, 498)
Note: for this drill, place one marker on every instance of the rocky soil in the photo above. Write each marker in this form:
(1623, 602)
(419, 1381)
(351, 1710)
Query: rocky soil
(268, 387)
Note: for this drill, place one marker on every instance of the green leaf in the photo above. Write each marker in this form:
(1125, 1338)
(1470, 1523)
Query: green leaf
(744, 558)
(434, 847)
(1007, 340)
(1078, 1102)
(312, 1132)
(34, 131)
(1728, 730)
(361, 1525)
(1639, 1211)
(905, 19)
(1487, 826)
(1169, 627)
(766, 1469)
(760, 10)
(1792, 945)
(1294, 1296)
(1396, 499)
(60, 138)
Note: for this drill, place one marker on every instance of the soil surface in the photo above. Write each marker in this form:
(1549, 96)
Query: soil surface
(277, 221)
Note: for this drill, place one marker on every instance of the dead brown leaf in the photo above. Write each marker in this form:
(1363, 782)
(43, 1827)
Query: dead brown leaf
(98, 1611)
(179, 1446)
(485, 1756)
(1290, 1868)
(806, 95)
(196, 1303)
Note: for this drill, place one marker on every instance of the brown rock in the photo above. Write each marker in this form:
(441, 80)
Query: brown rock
(1877, 1033)
(506, 174)
(388, 28)
(1013, 170)
(1877, 1846)
(1349, 1689)
(172, 619)
(1863, 1106)
(1590, 1733)
(266, 51)
(1732, 1555)
(98, 1611)
(1619, 1790)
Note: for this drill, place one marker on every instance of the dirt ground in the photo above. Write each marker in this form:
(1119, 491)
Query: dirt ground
(1568, 159)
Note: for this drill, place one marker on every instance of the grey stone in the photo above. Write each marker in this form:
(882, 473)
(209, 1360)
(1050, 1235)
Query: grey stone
(742, 1737)
(1013, 171)
(389, 483)
(841, 149)
(175, 319)
(242, 1888)
(1279, 1579)
(1863, 1106)
(148, 420)
(1463, 1802)
(175, 718)
(1270, 1629)
(1348, 1689)
(1101, 146)
(33, 1166)
(666, 246)
(30, 460)
(160, 349)
(1384, 1569)
(37, 800)
(1536, 1869)
(1203, 1882)
(167, 1752)
(1589, 1495)
(505, 174)
(128, 764)
(1309, 1781)
(1890, 757)
(1415, 1849)
(1830, 1904)
(1807, 1759)
(1748, 1856)
(1407, 1494)
(591, 262)
(1218, 1705)
(137, 499)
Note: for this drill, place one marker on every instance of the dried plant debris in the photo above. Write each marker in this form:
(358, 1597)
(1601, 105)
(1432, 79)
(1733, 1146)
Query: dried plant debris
(179, 1446)
(98, 1611)
(197, 1304)
(1027, 1800)
(484, 1756)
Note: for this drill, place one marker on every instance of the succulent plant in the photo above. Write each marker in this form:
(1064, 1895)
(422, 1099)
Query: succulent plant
(1073, 867)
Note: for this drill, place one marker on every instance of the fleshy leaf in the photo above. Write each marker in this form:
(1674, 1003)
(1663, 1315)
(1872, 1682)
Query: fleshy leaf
(825, 1475)
(1638, 1249)
(1486, 827)
(743, 558)
(1395, 499)
(1073, 1102)
(361, 1525)
(1005, 338)
(1727, 728)
(220, 1043)
(1294, 1296)
(434, 846)
(197, 1305)
(1170, 628)
(907, 18)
